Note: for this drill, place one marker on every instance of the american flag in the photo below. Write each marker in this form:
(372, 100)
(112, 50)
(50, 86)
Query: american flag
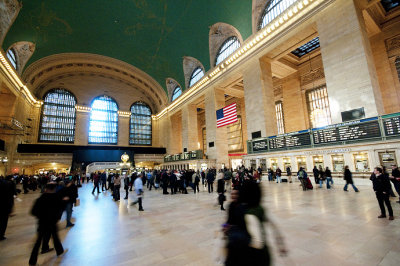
(227, 115)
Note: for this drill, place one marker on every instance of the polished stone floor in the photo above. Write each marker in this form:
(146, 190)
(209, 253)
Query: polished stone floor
(320, 228)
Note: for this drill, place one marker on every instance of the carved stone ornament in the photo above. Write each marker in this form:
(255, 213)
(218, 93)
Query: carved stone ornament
(312, 76)
(393, 43)
(278, 90)
(8, 12)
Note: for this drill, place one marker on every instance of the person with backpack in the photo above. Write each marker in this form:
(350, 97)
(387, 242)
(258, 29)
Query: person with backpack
(302, 175)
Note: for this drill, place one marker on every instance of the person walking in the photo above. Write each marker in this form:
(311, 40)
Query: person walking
(221, 190)
(381, 185)
(302, 175)
(395, 178)
(196, 183)
(48, 209)
(278, 174)
(316, 175)
(321, 176)
(117, 187)
(7, 192)
(71, 191)
(96, 180)
(289, 174)
(348, 177)
(228, 180)
(126, 186)
(139, 192)
(103, 178)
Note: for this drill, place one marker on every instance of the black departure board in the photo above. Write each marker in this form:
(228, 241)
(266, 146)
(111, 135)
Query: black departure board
(361, 129)
(391, 125)
(260, 145)
(292, 140)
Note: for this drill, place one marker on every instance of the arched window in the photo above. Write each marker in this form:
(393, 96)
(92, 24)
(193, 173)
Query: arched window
(227, 48)
(397, 64)
(140, 124)
(197, 74)
(58, 117)
(272, 9)
(177, 92)
(12, 57)
(103, 126)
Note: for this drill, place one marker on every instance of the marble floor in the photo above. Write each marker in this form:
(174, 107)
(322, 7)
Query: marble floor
(320, 228)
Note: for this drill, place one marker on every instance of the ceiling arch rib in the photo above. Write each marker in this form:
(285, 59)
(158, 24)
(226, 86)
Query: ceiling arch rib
(189, 65)
(218, 34)
(89, 67)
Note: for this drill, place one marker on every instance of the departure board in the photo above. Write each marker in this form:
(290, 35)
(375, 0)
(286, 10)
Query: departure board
(356, 130)
(292, 140)
(260, 145)
(391, 125)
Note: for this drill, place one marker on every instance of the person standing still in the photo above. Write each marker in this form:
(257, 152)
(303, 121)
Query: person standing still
(348, 177)
(289, 174)
(210, 180)
(329, 180)
(126, 186)
(381, 185)
(278, 175)
(117, 187)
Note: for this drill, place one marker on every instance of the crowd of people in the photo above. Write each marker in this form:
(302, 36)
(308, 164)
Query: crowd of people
(243, 229)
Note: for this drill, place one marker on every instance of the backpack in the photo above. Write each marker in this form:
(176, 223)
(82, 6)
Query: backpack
(301, 174)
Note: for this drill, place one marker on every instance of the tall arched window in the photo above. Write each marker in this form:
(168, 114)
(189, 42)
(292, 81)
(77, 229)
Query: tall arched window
(397, 64)
(177, 92)
(12, 57)
(58, 117)
(272, 9)
(197, 74)
(140, 124)
(103, 127)
(227, 48)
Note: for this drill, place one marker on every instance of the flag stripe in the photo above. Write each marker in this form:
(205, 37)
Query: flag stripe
(227, 116)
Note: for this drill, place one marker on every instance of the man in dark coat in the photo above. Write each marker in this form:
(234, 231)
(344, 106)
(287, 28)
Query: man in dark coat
(71, 191)
(48, 209)
(172, 182)
(395, 178)
(7, 192)
(164, 180)
(382, 187)
(210, 180)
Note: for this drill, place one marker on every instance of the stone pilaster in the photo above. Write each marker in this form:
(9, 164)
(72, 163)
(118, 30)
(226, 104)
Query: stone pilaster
(347, 58)
(190, 138)
(82, 128)
(259, 98)
(123, 131)
(214, 100)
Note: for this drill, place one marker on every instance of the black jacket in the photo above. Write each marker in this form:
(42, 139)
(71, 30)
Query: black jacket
(69, 191)
(348, 176)
(381, 183)
(7, 191)
(221, 186)
(48, 208)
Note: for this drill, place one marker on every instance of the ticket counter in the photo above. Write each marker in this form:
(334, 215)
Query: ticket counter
(361, 162)
(338, 163)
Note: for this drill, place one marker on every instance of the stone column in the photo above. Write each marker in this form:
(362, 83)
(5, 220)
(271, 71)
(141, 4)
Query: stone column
(123, 131)
(190, 136)
(259, 98)
(82, 128)
(348, 63)
(214, 100)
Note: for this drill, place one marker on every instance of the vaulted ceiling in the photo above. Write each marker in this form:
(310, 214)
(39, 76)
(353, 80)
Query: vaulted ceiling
(150, 35)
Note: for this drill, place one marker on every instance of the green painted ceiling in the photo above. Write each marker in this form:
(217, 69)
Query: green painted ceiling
(150, 35)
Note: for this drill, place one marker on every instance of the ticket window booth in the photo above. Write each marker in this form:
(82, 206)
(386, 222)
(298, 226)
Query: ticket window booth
(286, 164)
(361, 162)
(301, 162)
(318, 161)
(274, 164)
(263, 164)
(253, 163)
(387, 159)
(338, 163)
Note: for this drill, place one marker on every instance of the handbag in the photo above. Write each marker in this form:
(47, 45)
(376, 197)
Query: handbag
(77, 202)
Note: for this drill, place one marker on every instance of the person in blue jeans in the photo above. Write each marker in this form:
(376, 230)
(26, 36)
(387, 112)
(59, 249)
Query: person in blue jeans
(329, 180)
(349, 179)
